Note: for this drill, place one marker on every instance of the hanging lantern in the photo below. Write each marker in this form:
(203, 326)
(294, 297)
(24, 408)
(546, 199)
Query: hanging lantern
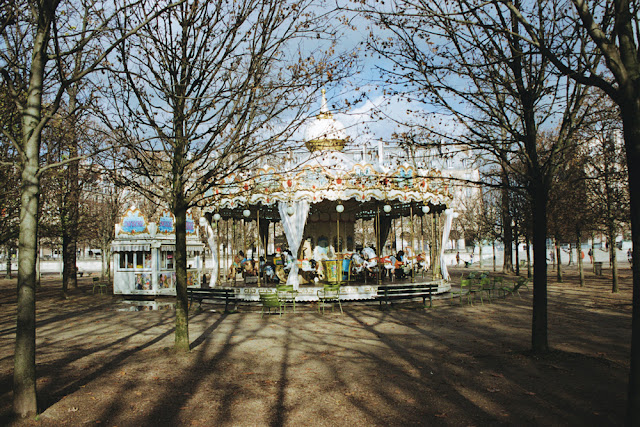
(340, 208)
(387, 208)
(216, 217)
(290, 210)
(425, 209)
(246, 213)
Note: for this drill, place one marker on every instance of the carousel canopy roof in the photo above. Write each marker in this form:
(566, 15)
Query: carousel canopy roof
(325, 132)
(328, 174)
(319, 179)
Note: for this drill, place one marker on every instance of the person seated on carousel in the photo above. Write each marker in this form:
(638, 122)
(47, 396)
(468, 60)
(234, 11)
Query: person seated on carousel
(422, 261)
(317, 272)
(250, 268)
(269, 271)
(307, 269)
(237, 265)
(400, 265)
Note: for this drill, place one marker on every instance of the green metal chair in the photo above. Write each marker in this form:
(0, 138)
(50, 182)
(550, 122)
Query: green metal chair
(476, 288)
(287, 294)
(102, 287)
(487, 286)
(270, 300)
(329, 294)
(465, 285)
(521, 282)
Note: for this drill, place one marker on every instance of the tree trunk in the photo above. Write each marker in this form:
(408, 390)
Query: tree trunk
(517, 245)
(612, 259)
(182, 305)
(593, 253)
(24, 370)
(106, 261)
(493, 245)
(559, 262)
(631, 122)
(70, 204)
(507, 266)
(528, 246)
(435, 256)
(539, 336)
(579, 254)
(8, 262)
(480, 254)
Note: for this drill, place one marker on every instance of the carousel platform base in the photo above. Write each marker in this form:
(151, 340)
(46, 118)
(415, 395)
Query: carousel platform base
(353, 291)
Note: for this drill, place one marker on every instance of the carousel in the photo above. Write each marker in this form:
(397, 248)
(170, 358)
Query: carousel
(335, 210)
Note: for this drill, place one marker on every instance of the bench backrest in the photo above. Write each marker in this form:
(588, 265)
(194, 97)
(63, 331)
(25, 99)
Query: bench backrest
(408, 288)
(218, 292)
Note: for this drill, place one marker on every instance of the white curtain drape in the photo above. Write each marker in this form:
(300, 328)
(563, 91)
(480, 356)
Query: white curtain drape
(211, 239)
(294, 229)
(448, 219)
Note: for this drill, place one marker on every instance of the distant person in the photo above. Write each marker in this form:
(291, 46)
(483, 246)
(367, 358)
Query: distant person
(630, 256)
(458, 258)
(590, 253)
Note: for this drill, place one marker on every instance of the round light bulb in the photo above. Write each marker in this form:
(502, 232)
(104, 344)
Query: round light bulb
(290, 210)
(246, 213)
(340, 208)
(425, 209)
(387, 208)
(216, 217)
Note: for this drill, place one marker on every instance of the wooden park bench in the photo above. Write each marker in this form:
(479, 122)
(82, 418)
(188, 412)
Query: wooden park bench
(217, 294)
(390, 293)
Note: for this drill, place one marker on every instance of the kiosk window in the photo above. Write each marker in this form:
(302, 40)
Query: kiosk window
(135, 260)
(167, 260)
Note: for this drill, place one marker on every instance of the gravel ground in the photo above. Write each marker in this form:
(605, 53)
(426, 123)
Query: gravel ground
(405, 365)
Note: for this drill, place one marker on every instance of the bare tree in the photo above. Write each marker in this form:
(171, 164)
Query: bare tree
(201, 93)
(38, 38)
(450, 55)
(9, 200)
(607, 180)
(598, 44)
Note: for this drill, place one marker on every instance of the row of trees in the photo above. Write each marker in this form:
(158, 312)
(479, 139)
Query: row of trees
(525, 78)
(169, 97)
(589, 196)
